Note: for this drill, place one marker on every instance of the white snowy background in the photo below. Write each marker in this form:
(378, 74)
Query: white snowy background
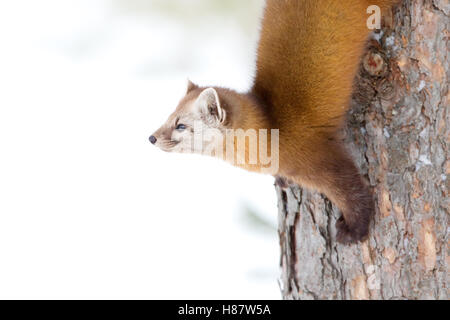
(88, 208)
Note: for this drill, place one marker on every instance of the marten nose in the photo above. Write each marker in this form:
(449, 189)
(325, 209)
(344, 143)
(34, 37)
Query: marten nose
(153, 139)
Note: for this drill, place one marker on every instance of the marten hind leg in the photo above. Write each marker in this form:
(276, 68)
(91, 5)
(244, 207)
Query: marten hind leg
(348, 191)
(335, 175)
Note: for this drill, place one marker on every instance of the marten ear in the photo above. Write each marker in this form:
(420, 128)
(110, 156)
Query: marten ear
(208, 103)
(190, 86)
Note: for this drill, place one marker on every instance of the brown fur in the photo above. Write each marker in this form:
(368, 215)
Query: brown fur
(308, 56)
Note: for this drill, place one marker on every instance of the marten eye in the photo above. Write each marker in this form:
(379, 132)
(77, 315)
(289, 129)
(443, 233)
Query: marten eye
(181, 127)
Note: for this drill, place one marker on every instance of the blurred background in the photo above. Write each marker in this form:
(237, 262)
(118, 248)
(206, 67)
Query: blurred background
(88, 208)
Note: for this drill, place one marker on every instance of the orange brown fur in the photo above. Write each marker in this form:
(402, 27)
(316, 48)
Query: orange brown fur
(308, 56)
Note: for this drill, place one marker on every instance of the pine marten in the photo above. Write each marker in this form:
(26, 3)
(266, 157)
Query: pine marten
(308, 56)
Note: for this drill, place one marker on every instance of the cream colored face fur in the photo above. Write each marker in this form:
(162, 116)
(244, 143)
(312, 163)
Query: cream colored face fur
(195, 127)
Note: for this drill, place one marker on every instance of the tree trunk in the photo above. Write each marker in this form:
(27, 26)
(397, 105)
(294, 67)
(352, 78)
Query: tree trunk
(398, 132)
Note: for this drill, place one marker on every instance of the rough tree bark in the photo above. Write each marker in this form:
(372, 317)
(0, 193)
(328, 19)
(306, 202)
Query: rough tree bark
(398, 132)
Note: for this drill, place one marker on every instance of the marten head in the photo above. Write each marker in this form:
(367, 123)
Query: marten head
(197, 124)
(224, 124)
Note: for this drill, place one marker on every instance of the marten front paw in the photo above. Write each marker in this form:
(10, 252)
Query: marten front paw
(282, 182)
(347, 235)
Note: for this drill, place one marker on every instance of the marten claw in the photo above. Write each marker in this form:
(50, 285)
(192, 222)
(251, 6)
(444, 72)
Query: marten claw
(346, 235)
(281, 182)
